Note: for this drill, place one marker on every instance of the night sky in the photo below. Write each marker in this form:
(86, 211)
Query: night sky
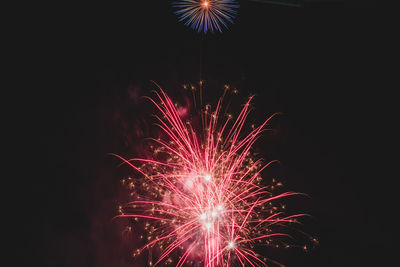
(316, 64)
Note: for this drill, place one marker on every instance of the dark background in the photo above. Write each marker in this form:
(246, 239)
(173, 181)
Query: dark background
(318, 64)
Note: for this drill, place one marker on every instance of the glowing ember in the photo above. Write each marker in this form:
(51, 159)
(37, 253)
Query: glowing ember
(207, 177)
(202, 195)
(231, 245)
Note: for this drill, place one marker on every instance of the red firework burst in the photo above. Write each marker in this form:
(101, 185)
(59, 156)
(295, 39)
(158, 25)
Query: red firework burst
(201, 195)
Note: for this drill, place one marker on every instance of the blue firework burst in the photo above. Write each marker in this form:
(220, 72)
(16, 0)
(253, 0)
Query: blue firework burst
(206, 15)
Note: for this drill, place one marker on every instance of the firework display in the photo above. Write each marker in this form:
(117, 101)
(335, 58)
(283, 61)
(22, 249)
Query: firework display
(201, 194)
(206, 15)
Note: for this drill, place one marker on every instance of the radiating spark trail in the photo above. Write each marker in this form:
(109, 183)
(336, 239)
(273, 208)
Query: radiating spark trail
(206, 15)
(202, 194)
